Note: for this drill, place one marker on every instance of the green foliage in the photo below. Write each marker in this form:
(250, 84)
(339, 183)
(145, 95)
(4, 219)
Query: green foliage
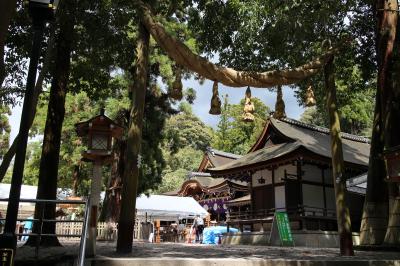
(171, 180)
(261, 35)
(190, 95)
(187, 130)
(78, 107)
(313, 116)
(178, 165)
(157, 110)
(185, 140)
(32, 161)
(186, 158)
(356, 101)
(5, 129)
(233, 134)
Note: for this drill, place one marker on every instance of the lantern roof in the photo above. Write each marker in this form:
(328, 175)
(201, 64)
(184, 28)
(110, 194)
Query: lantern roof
(99, 123)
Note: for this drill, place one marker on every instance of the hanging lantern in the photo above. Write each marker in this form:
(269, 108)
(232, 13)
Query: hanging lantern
(215, 101)
(310, 99)
(248, 109)
(176, 91)
(279, 105)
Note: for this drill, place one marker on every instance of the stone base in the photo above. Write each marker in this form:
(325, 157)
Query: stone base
(319, 239)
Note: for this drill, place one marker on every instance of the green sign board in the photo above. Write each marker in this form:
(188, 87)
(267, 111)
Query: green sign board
(281, 222)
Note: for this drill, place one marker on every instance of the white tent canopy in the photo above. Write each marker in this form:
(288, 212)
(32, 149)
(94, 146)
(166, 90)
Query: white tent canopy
(29, 192)
(159, 205)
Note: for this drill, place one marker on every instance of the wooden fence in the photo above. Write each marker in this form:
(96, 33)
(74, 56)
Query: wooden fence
(105, 231)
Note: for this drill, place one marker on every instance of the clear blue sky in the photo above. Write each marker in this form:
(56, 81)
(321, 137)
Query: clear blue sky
(202, 103)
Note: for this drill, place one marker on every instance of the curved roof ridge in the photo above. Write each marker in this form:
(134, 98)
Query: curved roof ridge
(324, 130)
(224, 153)
(193, 174)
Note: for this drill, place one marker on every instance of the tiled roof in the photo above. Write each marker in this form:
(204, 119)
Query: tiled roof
(324, 130)
(218, 158)
(318, 140)
(313, 138)
(261, 155)
(207, 181)
(225, 154)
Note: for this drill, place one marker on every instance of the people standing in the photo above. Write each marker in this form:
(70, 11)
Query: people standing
(27, 228)
(199, 225)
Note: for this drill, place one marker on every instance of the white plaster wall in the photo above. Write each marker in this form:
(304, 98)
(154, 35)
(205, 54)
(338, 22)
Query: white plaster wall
(313, 196)
(266, 174)
(279, 173)
(312, 173)
(280, 200)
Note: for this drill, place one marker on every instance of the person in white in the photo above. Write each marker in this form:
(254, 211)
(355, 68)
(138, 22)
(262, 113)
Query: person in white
(199, 225)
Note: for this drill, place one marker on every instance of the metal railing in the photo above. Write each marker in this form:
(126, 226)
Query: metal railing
(82, 245)
(41, 220)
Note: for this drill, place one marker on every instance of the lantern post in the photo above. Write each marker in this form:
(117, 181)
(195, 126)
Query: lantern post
(99, 133)
(41, 11)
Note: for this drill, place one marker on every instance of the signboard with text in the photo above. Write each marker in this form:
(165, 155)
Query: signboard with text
(281, 228)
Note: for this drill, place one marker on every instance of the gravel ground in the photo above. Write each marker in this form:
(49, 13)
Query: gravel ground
(197, 251)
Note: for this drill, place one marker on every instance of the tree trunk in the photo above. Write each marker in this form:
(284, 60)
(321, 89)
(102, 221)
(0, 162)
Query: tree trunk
(342, 211)
(112, 200)
(48, 171)
(75, 180)
(8, 156)
(7, 8)
(375, 213)
(131, 171)
(392, 125)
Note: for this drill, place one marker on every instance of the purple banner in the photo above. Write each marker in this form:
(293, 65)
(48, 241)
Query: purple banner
(215, 205)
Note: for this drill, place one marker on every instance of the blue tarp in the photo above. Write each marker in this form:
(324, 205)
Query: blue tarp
(212, 234)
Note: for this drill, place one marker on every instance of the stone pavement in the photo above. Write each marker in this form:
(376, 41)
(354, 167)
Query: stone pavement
(148, 254)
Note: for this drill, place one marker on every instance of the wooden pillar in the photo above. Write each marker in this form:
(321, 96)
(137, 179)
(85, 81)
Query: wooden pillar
(273, 184)
(299, 163)
(251, 191)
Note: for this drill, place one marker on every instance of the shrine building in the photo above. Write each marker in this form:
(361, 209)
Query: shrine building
(289, 168)
(213, 193)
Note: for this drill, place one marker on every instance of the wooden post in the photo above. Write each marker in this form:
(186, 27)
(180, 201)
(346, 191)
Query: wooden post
(94, 205)
(157, 236)
(342, 211)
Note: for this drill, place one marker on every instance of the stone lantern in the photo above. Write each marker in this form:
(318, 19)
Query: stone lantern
(98, 134)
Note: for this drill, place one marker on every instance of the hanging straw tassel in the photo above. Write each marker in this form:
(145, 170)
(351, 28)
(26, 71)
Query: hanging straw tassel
(310, 99)
(248, 109)
(215, 101)
(176, 91)
(279, 105)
